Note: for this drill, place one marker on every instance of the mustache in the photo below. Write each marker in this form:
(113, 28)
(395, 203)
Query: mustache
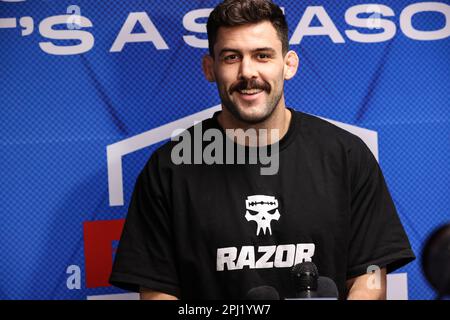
(250, 84)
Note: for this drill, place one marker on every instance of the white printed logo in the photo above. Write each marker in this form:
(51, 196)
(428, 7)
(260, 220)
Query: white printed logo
(262, 209)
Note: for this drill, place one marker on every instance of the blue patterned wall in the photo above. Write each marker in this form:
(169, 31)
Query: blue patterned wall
(59, 113)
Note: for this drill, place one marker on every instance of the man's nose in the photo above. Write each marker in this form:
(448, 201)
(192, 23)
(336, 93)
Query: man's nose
(247, 69)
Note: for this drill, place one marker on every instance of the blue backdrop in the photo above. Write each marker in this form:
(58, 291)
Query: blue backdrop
(67, 91)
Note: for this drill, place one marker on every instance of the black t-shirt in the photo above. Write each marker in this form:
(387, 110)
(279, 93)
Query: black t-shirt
(200, 231)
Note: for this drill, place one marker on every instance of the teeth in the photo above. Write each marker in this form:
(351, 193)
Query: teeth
(250, 91)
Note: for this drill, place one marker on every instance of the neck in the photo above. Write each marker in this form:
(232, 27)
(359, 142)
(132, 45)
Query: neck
(276, 125)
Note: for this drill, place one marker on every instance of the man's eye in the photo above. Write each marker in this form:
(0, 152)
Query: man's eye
(264, 56)
(231, 57)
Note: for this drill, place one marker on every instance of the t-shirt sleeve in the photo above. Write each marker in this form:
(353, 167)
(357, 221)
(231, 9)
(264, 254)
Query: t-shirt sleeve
(145, 255)
(377, 237)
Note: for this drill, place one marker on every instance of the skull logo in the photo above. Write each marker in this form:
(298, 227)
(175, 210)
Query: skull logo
(262, 209)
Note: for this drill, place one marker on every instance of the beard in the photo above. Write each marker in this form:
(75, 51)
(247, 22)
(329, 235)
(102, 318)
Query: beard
(265, 111)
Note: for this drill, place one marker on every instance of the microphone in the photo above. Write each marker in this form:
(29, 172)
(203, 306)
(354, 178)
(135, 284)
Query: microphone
(327, 288)
(305, 277)
(436, 261)
(309, 285)
(262, 293)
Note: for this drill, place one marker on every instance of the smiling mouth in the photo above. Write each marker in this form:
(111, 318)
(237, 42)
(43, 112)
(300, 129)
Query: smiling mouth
(250, 91)
(250, 95)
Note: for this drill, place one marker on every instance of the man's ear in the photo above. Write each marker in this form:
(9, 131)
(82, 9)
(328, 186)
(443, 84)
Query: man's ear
(291, 62)
(208, 68)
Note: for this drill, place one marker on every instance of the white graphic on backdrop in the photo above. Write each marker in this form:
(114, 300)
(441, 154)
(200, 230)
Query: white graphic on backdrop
(357, 18)
(117, 151)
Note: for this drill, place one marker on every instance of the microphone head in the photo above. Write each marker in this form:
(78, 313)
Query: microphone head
(262, 293)
(304, 276)
(436, 260)
(327, 288)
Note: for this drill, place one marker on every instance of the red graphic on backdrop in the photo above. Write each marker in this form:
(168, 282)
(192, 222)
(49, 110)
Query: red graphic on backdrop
(98, 250)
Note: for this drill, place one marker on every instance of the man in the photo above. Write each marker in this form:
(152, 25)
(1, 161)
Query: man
(215, 231)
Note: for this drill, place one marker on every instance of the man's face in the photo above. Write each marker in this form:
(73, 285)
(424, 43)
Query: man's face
(249, 68)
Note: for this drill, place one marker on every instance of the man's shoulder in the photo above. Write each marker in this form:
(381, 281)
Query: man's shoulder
(325, 139)
(319, 129)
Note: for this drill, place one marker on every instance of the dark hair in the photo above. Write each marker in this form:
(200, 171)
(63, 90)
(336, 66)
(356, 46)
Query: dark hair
(231, 13)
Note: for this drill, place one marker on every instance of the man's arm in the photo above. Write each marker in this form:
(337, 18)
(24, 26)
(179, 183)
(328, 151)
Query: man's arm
(148, 294)
(367, 286)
